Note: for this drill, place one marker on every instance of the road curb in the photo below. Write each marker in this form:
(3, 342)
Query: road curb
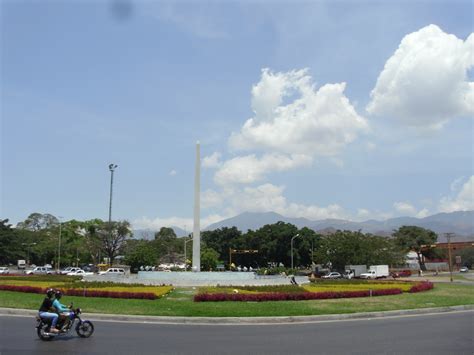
(248, 320)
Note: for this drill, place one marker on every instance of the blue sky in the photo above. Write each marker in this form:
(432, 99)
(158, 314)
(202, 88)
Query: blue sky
(327, 109)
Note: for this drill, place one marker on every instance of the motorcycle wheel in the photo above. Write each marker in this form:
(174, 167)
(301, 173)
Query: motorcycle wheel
(42, 330)
(85, 329)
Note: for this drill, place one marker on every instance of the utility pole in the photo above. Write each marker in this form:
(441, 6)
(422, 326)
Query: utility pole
(112, 167)
(448, 237)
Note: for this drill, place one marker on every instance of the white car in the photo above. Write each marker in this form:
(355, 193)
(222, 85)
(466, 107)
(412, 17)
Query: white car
(40, 270)
(464, 269)
(113, 271)
(332, 275)
(79, 272)
(69, 269)
(4, 270)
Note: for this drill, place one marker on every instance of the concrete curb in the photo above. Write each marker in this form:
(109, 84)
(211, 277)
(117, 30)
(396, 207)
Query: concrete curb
(249, 320)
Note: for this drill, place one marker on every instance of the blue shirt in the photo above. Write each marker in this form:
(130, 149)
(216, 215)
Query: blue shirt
(60, 307)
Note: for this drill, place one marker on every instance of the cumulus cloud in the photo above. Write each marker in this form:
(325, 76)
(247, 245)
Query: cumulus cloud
(183, 223)
(314, 121)
(173, 172)
(425, 82)
(249, 169)
(463, 201)
(212, 161)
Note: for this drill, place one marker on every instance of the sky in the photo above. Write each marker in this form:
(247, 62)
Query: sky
(316, 109)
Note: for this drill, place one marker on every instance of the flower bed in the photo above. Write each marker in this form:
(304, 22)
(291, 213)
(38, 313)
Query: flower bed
(303, 296)
(422, 286)
(83, 293)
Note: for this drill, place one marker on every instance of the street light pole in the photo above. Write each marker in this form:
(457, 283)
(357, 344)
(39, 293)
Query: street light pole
(292, 249)
(186, 242)
(59, 245)
(448, 237)
(112, 167)
(28, 245)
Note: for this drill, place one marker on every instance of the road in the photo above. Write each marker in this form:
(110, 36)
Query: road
(447, 333)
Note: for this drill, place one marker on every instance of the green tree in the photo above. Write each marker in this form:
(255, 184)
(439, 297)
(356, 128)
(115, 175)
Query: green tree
(209, 259)
(113, 238)
(416, 239)
(139, 253)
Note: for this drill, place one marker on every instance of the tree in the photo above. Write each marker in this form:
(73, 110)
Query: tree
(113, 238)
(37, 221)
(209, 259)
(139, 253)
(416, 239)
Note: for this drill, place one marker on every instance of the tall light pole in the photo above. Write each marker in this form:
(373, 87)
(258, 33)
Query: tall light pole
(112, 167)
(292, 248)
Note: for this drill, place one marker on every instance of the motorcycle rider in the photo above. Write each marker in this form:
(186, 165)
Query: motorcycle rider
(63, 311)
(46, 307)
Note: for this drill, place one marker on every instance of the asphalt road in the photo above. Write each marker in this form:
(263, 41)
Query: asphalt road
(448, 333)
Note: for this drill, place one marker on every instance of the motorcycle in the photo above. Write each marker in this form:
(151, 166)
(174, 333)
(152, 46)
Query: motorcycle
(84, 328)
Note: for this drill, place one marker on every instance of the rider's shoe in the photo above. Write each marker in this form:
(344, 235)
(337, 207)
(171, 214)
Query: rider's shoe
(53, 330)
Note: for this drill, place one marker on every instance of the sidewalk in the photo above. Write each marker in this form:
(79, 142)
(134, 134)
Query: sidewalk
(248, 320)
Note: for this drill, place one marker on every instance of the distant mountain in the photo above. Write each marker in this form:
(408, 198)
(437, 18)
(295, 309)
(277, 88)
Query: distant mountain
(460, 223)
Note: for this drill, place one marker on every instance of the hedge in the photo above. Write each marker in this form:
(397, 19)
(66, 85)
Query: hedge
(303, 296)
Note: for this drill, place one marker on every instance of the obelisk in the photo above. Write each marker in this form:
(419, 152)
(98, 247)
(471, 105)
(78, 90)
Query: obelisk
(197, 212)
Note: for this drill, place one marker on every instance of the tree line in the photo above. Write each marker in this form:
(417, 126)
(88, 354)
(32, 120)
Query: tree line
(90, 241)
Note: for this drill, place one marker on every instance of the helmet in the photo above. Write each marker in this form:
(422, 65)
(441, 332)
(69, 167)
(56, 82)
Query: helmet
(50, 292)
(58, 294)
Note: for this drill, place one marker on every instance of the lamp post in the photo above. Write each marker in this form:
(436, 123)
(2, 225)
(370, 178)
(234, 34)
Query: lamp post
(28, 245)
(59, 245)
(292, 248)
(186, 242)
(112, 168)
(448, 237)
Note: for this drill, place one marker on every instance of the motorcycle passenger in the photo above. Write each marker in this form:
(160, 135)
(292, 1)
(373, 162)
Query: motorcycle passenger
(45, 310)
(63, 311)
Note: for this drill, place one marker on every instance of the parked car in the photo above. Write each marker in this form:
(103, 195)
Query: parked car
(113, 271)
(80, 272)
(40, 270)
(464, 269)
(69, 269)
(4, 270)
(332, 275)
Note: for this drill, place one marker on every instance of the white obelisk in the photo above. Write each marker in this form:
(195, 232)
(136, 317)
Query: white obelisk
(197, 212)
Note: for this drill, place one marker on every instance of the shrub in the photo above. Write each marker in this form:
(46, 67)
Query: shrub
(27, 289)
(270, 296)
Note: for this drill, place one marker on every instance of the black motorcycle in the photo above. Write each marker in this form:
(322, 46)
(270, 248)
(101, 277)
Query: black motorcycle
(84, 328)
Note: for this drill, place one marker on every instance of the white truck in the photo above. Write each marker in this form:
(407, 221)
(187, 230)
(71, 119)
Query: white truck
(376, 272)
(21, 264)
(352, 271)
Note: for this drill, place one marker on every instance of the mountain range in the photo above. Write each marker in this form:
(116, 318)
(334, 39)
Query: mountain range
(460, 223)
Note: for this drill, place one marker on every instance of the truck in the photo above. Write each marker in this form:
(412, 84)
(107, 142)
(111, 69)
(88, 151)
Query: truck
(376, 272)
(21, 264)
(352, 271)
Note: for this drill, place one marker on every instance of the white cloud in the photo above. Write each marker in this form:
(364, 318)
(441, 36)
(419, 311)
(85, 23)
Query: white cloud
(173, 172)
(183, 223)
(268, 197)
(314, 122)
(407, 209)
(249, 169)
(424, 84)
(463, 201)
(212, 161)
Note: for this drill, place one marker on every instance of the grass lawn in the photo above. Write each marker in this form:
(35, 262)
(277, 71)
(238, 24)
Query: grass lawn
(180, 303)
